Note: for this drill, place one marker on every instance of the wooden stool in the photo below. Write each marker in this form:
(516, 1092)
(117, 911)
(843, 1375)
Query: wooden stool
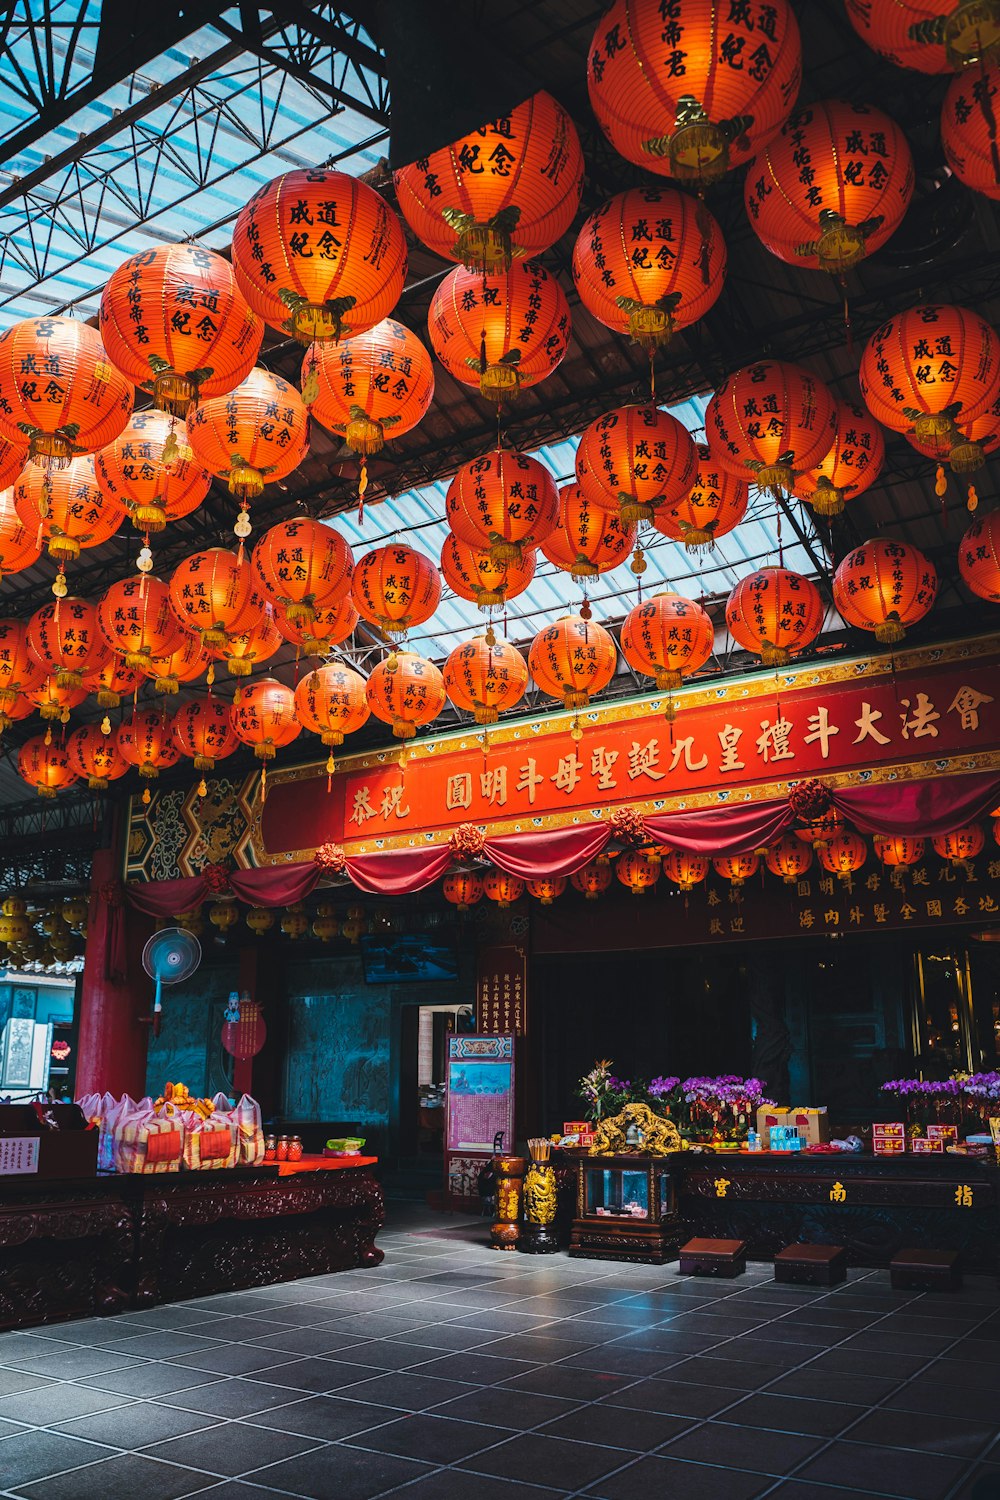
(815, 1265)
(713, 1258)
(925, 1271)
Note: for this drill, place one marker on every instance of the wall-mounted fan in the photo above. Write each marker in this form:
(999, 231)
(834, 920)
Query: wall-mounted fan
(169, 957)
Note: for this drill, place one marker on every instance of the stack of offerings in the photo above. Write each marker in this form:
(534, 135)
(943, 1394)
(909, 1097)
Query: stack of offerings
(175, 1131)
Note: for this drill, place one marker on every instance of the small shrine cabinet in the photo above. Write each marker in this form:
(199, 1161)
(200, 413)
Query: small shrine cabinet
(625, 1209)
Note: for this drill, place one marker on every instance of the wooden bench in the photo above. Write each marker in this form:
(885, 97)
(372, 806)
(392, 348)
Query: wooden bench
(912, 1270)
(700, 1257)
(811, 1265)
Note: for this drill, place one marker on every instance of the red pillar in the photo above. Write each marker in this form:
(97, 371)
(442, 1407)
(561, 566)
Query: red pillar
(112, 1041)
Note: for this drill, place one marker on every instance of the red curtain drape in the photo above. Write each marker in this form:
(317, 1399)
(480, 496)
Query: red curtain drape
(923, 808)
(276, 885)
(560, 851)
(165, 898)
(399, 874)
(736, 829)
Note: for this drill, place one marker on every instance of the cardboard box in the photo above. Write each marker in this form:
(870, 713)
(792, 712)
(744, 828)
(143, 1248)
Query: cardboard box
(946, 1133)
(813, 1125)
(768, 1115)
(889, 1146)
(922, 1144)
(894, 1132)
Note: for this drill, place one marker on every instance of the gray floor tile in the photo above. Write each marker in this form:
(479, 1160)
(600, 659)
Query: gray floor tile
(532, 1455)
(340, 1474)
(57, 1403)
(325, 1417)
(231, 1451)
(680, 1481)
(435, 1439)
(914, 1476)
(124, 1477)
(32, 1455)
(136, 1425)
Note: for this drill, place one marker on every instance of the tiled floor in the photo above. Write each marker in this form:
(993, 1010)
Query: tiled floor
(452, 1371)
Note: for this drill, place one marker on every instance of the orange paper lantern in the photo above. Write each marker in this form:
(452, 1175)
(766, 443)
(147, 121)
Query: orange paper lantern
(95, 755)
(688, 92)
(589, 539)
(265, 717)
(66, 507)
(851, 466)
(13, 457)
(572, 659)
(146, 742)
(548, 890)
(300, 564)
(19, 668)
(592, 880)
(57, 387)
(462, 889)
(817, 832)
(649, 261)
(405, 691)
(979, 557)
(395, 588)
(667, 638)
(19, 547)
(772, 421)
(331, 702)
(54, 701)
(844, 854)
(375, 385)
(961, 845)
(502, 888)
(736, 868)
(774, 613)
(484, 677)
(832, 187)
(932, 36)
(471, 573)
(319, 254)
(185, 664)
(898, 849)
(202, 731)
(499, 333)
(67, 639)
(713, 506)
(685, 869)
(883, 587)
(330, 625)
(505, 501)
(255, 435)
(789, 858)
(138, 621)
(253, 640)
(969, 128)
(113, 681)
(638, 870)
(635, 461)
(149, 470)
(211, 593)
(509, 188)
(45, 767)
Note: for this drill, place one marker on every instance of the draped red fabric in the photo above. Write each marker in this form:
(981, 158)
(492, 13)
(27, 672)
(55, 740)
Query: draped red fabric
(723, 830)
(923, 808)
(276, 885)
(559, 851)
(165, 898)
(399, 874)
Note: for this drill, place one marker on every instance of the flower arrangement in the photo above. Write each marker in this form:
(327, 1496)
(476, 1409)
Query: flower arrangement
(720, 1108)
(967, 1094)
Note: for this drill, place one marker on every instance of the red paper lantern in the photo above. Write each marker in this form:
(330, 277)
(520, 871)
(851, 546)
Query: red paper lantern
(396, 588)
(19, 547)
(502, 888)
(45, 767)
(301, 564)
(265, 717)
(405, 691)
(332, 702)
(667, 638)
(499, 333)
(146, 741)
(13, 457)
(884, 586)
(688, 92)
(112, 682)
(898, 849)
(832, 187)
(508, 189)
(66, 507)
(67, 639)
(244, 1038)
(547, 890)
(636, 460)
(462, 889)
(255, 435)
(714, 505)
(979, 557)
(505, 501)
(19, 668)
(137, 619)
(684, 868)
(57, 386)
(844, 854)
(185, 664)
(331, 625)
(961, 845)
(852, 464)
(95, 755)
(247, 646)
(471, 573)
(969, 128)
(175, 323)
(150, 472)
(736, 868)
(588, 539)
(54, 701)
(638, 870)
(649, 261)
(202, 731)
(789, 858)
(772, 421)
(572, 660)
(592, 880)
(211, 593)
(932, 36)
(375, 385)
(484, 677)
(319, 254)
(774, 613)
(817, 832)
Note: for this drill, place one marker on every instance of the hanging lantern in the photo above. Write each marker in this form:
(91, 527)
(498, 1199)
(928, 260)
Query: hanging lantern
(45, 767)
(185, 664)
(212, 593)
(484, 677)
(736, 868)
(405, 691)
(852, 464)
(66, 508)
(75, 912)
(648, 262)
(223, 915)
(13, 457)
(636, 460)
(175, 323)
(685, 869)
(639, 870)
(19, 544)
(265, 717)
(294, 923)
(789, 857)
(470, 572)
(302, 564)
(680, 93)
(395, 588)
(499, 333)
(19, 668)
(898, 849)
(832, 187)
(150, 472)
(508, 189)
(505, 501)
(21, 708)
(112, 682)
(247, 649)
(319, 255)
(932, 370)
(138, 622)
(932, 36)
(667, 638)
(55, 702)
(884, 587)
(588, 539)
(66, 637)
(770, 422)
(548, 890)
(58, 389)
(371, 387)
(502, 888)
(712, 507)
(969, 128)
(331, 702)
(355, 924)
(572, 660)
(960, 846)
(774, 613)
(962, 449)
(259, 920)
(145, 740)
(332, 624)
(979, 557)
(255, 435)
(844, 854)
(593, 880)
(325, 925)
(202, 731)
(462, 889)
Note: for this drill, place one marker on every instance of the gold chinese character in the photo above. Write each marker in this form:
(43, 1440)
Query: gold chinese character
(721, 1185)
(963, 1197)
(838, 1193)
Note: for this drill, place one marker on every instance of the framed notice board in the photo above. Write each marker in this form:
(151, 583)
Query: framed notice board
(479, 1104)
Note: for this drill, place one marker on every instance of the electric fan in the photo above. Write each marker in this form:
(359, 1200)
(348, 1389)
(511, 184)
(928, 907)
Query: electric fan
(169, 957)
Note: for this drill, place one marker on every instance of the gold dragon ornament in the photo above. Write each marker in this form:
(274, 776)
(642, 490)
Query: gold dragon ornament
(658, 1136)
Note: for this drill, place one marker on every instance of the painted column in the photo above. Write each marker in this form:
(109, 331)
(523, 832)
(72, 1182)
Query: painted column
(112, 1040)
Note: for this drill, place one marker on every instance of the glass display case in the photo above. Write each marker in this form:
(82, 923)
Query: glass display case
(625, 1208)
